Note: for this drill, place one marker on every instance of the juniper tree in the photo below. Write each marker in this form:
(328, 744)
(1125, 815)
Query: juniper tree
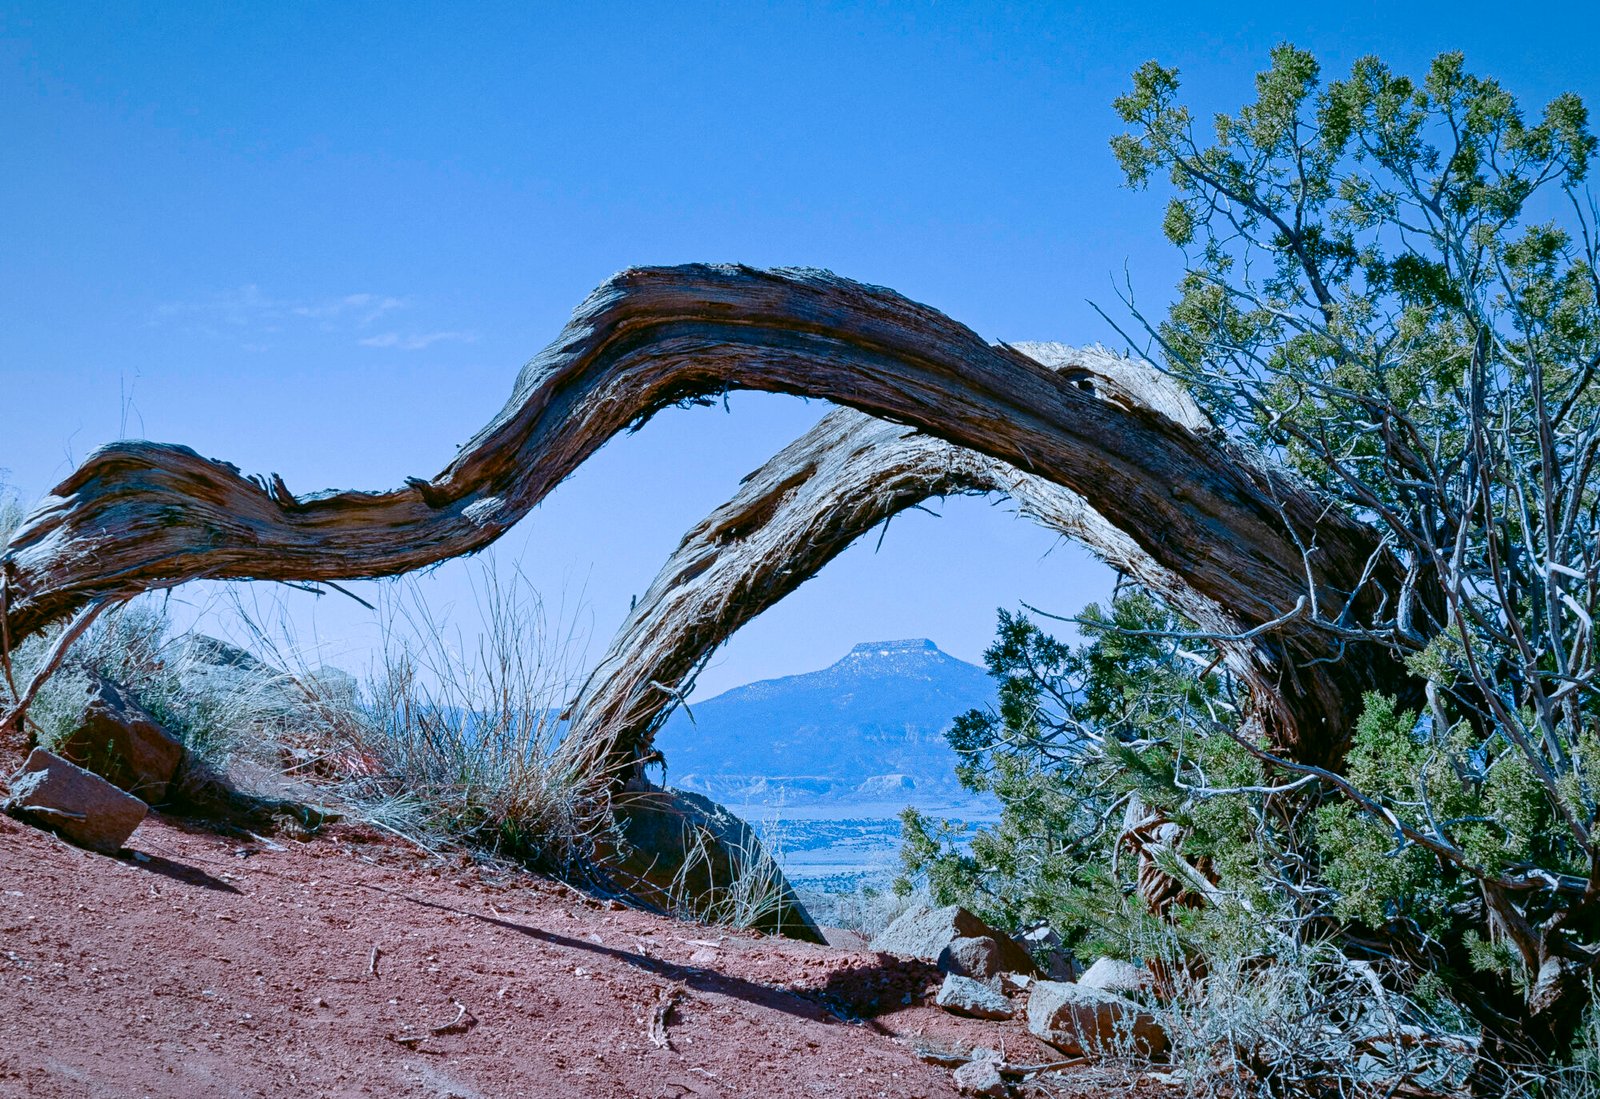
(1391, 287)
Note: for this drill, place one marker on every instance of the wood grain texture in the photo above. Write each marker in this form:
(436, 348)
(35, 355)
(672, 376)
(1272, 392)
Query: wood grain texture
(137, 515)
(833, 485)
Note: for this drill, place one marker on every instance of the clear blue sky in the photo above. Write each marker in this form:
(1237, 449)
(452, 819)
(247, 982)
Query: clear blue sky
(320, 239)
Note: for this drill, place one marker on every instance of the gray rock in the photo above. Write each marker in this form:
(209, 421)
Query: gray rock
(684, 850)
(1111, 975)
(843, 938)
(975, 956)
(82, 806)
(981, 1078)
(123, 744)
(924, 932)
(965, 996)
(1079, 1020)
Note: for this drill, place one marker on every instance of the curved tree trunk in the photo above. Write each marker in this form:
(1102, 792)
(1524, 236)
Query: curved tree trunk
(809, 503)
(137, 516)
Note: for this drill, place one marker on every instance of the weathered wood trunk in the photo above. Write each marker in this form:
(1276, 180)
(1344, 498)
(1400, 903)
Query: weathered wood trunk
(137, 516)
(815, 497)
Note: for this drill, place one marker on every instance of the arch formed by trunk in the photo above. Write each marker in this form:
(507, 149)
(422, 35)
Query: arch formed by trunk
(810, 502)
(137, 516)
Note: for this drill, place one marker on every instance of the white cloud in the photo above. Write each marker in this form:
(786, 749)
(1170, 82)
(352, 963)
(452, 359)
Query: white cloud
(363, 309)
(415, 341)
(247, 313)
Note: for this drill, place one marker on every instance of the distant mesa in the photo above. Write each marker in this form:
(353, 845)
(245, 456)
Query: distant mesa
(868, 728)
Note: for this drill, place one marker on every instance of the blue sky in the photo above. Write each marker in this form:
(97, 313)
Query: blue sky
(320, 239)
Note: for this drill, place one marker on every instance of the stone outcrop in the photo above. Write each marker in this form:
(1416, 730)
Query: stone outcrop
(1111, 975)
(1080, 1020)
(925, 933)
(684, 850)
(54, 793)
(976, 956)
(124, 745)
(965, 996)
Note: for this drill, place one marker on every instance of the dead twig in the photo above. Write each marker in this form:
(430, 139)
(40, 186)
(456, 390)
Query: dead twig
(52, 661)
(666, 999)
(462, 1021)
(372, 961)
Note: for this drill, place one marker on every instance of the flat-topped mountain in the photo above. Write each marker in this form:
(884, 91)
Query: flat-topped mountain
(867, 728)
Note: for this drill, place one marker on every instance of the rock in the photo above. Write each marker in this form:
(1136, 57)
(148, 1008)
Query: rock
(686, 852)
(1015, 982)
(976, 956)
(981, 1078)
(965, 996)
(1111, 975)
(844, 939)
(51, 792)
(924, 932)
(1055, 961)
(1079, 1020)
(121, 743)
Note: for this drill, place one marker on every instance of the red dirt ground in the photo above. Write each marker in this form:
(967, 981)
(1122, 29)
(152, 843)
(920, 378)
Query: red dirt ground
(210, 966)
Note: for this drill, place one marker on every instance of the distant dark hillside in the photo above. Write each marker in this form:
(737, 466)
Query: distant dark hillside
(868, 728)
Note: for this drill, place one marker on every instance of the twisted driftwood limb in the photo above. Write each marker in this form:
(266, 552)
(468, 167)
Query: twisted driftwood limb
(792, 516)
(137, 516)
(812, 500)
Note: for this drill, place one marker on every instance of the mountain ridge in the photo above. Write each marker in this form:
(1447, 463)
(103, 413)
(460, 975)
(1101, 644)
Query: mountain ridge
(868, 727)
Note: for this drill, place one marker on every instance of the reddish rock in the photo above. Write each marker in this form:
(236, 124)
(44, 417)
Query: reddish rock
(976, 956)
(1078, 1020)
(123, 744)
(82, 806)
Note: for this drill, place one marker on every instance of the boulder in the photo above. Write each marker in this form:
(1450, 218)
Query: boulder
(1012, 983)
(843, 938)
(981, 1078)
(1111, 975)
(123, 744)
(924, 932)
(965, 996)
(82, 806)
(685, 853)
(1079, 1020)
(976, 956)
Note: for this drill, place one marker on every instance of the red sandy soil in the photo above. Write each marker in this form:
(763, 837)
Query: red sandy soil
(210, 965)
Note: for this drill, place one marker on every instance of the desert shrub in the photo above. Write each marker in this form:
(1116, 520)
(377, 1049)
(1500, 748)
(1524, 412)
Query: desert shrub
(452, 740)
(1081, 734)
(1389, 292)
(135, 647)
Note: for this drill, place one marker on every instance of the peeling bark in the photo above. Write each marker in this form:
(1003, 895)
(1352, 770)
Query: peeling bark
(816, 497)
(137, 516)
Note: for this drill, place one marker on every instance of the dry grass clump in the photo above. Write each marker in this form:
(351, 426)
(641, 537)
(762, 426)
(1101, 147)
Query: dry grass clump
(747, 888)
(453, 741)
(173, 677)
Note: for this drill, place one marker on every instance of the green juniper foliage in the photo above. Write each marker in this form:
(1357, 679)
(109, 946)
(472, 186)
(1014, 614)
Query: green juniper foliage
(1391, 289)
(1134, 712)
